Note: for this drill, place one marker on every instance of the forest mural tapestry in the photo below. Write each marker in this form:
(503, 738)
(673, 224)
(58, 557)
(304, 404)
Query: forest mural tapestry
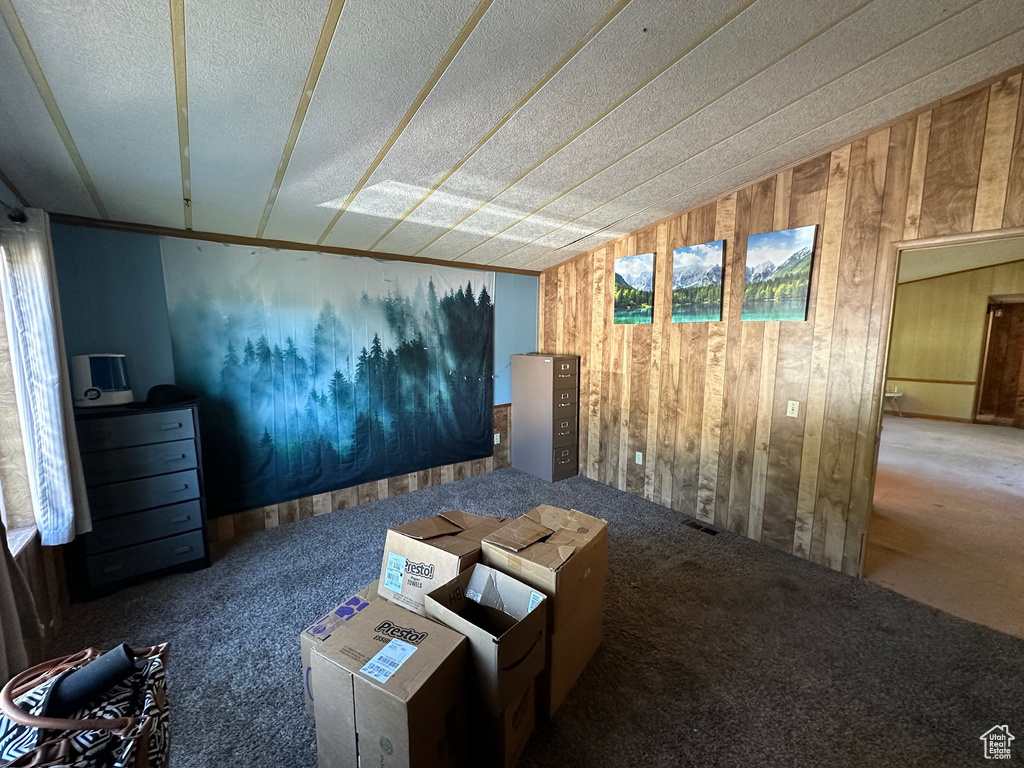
(317, 371)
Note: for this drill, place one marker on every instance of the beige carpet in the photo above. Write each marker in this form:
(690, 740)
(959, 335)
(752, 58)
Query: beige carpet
(948, 522)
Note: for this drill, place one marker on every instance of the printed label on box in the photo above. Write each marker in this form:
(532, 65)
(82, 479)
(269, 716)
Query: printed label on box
(395, 573)
(387, 660)
(535, 598)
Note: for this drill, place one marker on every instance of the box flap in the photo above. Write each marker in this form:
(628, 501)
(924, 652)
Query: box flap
(466, 520)
(519, 534)
(429, 528)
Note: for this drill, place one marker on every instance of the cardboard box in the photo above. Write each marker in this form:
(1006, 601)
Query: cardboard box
(505, 623)
(390, 690)
(319, 631)
(499, 740)
(564, 554)
(422, 555)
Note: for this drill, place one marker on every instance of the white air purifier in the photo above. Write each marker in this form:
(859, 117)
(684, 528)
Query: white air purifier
(100, 379)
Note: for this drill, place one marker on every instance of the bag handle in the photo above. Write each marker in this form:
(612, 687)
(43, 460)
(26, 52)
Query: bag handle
(40, 673)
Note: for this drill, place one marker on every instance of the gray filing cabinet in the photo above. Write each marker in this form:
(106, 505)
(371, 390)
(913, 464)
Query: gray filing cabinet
(143, 470)
(545, 415)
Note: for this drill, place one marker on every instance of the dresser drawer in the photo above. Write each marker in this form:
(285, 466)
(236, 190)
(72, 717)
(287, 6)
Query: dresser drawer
(137, 527)
(142, 461)
(144, 558)
(134, 429)
(121, 498)
(564, 462)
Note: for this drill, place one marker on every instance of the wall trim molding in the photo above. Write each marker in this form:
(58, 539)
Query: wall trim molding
(934, 381)
(259, 242)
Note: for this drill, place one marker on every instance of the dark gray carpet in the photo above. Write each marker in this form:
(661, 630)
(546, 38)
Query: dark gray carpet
(717, 652)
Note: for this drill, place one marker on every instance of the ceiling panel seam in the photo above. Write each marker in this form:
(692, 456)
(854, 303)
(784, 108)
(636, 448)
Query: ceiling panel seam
(49, 101)
(178, 55)
(555, 69)
(781, 57)
(729, 138)
(778, 147)
(315, 68)
(715, 29)
(428, 86)
(6, 181)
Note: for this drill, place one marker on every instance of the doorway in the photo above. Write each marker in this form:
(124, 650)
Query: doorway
(1001, 382)
(947, 523)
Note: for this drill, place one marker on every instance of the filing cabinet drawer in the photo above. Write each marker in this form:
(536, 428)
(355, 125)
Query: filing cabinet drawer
(137, 527)
(565, 372)
(143, 461)
(563, 402)
(563, 431)
(121, 498)
(144, 558)
(564, 462)
(136, 429)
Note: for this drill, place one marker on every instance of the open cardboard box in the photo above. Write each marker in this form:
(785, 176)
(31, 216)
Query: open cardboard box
(505, 623)
(424, 554)
(322, 629)
(390, 690)
(564, 554)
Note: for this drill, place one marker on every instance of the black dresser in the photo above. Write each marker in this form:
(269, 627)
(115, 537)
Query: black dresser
(545, 415)
(144, 473)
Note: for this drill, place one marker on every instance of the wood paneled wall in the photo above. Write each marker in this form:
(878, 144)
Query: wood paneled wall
(223, 529)
(938, 330)
(706, 402)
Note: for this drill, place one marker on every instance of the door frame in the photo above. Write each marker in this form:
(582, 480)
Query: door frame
(887, 283)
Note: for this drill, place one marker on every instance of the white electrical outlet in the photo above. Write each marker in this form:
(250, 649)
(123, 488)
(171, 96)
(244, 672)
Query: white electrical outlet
(497, 438)
(793, 409)
(639, 458)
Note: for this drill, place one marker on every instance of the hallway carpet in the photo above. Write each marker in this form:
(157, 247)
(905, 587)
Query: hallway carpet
(948, 521)
(717, 651)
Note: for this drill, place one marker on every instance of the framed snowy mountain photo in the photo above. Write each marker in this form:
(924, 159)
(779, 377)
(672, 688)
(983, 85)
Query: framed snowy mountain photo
(697, 282)
(634, 289)
(778, 274)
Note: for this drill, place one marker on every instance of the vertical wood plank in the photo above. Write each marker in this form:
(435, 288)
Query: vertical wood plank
(271, 519)
(639, 381)
(542, 309)
(321, 504)
(675, 237)
(783, 194)
(827, 276)
(846, 368)
(1013, 211)
(659, 334)
(897, 181)
(305, 508)
(954, 165)
(732, 227)
(598, 368)
(762, 432)
(586, 312)
(551, 314)
(918, 165)
(288, 512)
(994, 179)
(345, 498)
(806, 207)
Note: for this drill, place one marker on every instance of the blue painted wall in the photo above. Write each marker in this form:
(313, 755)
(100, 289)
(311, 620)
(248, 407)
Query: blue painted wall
(112, 300)
(515, 326)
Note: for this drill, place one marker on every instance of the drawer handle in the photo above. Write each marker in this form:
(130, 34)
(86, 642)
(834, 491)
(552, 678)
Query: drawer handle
(563, 434)
(565, 462)
(184, 487)
(179, 457)
(565, 375)
(181, 519)
(113, 568)
(168, 426)
(183, 550)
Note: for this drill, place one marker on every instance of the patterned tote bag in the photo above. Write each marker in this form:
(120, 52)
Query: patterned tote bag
(129, 728)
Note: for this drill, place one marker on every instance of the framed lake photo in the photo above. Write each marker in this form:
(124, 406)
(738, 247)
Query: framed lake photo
(778, 274)
(634, 289)
(697, 282)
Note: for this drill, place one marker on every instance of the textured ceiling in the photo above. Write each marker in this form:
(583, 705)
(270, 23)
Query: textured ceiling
(512, 133)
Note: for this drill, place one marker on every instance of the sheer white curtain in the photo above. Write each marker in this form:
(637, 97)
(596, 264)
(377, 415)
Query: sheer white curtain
(39, 363)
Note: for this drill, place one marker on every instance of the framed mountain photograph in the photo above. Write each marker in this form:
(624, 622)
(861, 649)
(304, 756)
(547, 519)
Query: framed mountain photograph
(697, 282)
(634, 289)
(778, 274)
